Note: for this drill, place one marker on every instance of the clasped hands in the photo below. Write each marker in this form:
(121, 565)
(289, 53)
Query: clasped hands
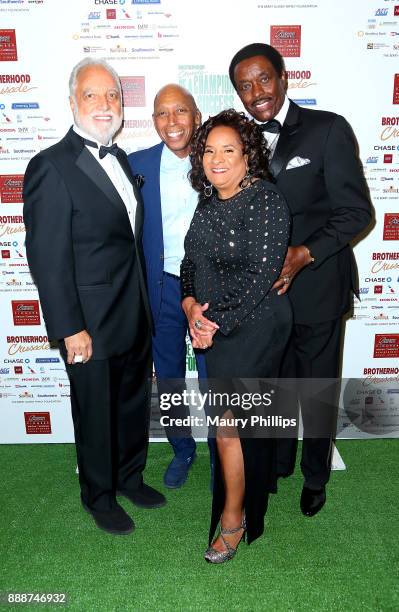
(201, 329)
(297, 258)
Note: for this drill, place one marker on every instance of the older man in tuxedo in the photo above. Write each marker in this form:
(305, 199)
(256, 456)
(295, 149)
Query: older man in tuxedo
(83, 216)
(314, 161)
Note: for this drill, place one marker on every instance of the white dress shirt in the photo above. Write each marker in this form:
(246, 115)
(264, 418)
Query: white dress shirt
(178, 203)
(115, 173)
(271, 138)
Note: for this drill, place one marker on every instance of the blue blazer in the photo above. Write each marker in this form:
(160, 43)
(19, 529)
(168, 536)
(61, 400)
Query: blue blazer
(147, 163)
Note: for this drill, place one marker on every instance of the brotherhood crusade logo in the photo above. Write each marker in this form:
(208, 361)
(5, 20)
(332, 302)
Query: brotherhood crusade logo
(11, 188)
(395, 89)
(286, 39)
(26, 312)
(386, 346)
(391, 226)
(8, 46)
(37, 422)
(133, 88)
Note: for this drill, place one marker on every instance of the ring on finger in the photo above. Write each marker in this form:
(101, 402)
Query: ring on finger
(197, 324)
(286, 279)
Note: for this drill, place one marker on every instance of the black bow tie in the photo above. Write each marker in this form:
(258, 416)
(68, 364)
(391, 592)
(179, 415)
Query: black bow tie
(113, 150)
(102, 151)
(272, 126)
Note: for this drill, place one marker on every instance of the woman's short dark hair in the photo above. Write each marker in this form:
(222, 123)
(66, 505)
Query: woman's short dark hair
(251, 136)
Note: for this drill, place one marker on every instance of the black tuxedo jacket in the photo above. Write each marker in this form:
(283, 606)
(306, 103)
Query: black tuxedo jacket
(85, 260)
(329, 200)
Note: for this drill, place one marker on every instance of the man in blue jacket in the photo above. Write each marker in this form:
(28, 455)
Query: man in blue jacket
(169, 204)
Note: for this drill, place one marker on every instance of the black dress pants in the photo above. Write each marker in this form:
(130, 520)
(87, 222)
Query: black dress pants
(110, 409)
(313, 353)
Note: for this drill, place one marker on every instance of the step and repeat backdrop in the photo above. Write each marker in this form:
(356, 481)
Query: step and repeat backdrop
(340, 56)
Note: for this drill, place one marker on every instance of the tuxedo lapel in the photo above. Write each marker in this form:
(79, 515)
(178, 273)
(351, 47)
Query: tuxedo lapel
(139, 218)
(149, 166)
(156, 211)
(156, 173)
(93, 170)
(285, 142)
(122, 159)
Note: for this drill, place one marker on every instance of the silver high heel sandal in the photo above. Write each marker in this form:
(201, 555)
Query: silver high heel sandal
(216, 556)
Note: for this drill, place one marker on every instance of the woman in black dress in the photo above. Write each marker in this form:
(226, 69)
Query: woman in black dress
(234, 252)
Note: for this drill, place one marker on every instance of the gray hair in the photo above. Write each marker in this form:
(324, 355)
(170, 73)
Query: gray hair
(89, 61)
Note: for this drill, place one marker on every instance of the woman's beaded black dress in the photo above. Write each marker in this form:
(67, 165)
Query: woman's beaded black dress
(234, 251)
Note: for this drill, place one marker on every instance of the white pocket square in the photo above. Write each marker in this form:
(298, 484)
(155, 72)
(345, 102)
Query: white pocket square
(297, 162)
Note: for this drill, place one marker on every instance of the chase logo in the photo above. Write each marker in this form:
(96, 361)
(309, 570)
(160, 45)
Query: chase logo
(381, 12)
(305, 101)
(94, 15)
(24, 105)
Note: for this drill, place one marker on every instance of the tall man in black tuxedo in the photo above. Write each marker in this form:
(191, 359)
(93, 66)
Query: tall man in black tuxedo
(315, 164)
(83, 216)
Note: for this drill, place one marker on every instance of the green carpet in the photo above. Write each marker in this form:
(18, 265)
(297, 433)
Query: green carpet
(345, 558)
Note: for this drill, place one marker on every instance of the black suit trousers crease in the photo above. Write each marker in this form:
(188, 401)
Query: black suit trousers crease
(313, 352)
(110, 401)
(330, 205)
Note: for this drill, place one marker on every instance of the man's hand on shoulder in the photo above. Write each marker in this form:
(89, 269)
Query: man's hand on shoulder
(79, 344)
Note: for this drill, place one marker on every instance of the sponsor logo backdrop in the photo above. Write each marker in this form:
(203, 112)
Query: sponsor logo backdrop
(341, 57)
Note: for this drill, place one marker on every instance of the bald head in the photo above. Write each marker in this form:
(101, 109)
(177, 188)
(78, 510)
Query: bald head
(173, 90)
(176, 117)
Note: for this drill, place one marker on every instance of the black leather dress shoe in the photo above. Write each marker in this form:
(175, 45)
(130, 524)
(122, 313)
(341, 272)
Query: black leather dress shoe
(114, 521)
(312, 500)
(144, 497)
